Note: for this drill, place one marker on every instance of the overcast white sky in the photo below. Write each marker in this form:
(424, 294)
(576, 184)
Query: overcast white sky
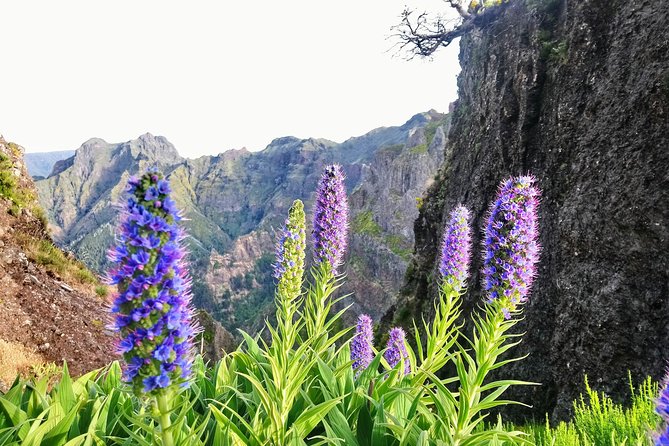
(209, 75)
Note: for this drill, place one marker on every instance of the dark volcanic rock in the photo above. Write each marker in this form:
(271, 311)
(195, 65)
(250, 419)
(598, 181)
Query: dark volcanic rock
(576, 93)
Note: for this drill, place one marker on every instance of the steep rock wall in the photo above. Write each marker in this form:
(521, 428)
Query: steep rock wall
(577, 93)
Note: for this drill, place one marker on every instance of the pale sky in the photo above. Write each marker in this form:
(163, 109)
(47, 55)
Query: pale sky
(210, 75)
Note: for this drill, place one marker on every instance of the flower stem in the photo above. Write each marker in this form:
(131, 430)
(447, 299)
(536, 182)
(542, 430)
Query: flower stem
(165, 422)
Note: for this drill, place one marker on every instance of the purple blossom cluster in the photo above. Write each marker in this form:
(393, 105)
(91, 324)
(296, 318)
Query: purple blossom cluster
(362, 352)
(456, 249)
(330, 218)
(511, 249)
(361, 345)
(152, 310)
(662, 408)
(283, 263)
(396, 350)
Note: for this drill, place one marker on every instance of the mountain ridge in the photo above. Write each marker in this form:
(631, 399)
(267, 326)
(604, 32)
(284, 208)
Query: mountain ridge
(239, 193)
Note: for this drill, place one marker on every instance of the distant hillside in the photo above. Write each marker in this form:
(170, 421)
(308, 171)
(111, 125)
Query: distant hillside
(235, 201)
(51, 307)
(40, 164)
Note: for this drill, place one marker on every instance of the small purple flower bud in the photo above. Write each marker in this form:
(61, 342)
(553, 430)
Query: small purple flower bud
(396, 350)
(330, 218)
(289, 266)
(511, 246)
(361, 344)
(456, 249)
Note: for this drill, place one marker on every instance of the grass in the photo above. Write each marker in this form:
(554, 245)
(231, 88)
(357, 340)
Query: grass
(102, 290)
(45, 253)
(15, 359)
(364, 223)
(40, 251)
(420, 149)
(399, 246)
(9, 187)
(598, 421)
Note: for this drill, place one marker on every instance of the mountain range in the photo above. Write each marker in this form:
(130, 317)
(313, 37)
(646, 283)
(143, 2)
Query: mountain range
(235, 201)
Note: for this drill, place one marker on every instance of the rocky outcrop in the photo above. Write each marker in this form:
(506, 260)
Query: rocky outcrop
(80, 195)
(214, 340)
(49, 310)
(576, 93)
(383, 209)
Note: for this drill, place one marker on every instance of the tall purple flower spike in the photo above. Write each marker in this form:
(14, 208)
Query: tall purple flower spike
(456, 249)
(396, 350)
(153, 314)
(511, 247)
(662, 409)
(361, 345)
(330, 218)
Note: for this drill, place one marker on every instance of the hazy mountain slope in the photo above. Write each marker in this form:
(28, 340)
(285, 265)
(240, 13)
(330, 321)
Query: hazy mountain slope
(40, 164)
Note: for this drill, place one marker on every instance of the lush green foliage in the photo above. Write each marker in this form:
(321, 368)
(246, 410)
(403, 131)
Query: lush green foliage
(9, 187)
(363, 223)
(97, 408)
(599, 421)
(298, 389)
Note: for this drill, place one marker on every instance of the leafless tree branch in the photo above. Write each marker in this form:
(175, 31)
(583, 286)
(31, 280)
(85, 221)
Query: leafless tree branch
(422, 34)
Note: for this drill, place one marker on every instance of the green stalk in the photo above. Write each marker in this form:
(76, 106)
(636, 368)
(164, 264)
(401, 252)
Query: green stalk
(164, 419)
(489, 338)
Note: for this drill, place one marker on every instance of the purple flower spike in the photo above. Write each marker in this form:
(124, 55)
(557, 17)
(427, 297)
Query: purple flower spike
(662, 401)
(153, 314)
(396, 350)
(511, 247)
(663, 439)
(456, 249)
(330, 218)
(361, 345)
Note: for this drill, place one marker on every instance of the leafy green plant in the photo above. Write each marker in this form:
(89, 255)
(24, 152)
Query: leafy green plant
(599, 421)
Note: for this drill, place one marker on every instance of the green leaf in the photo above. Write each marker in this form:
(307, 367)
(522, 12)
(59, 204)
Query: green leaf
(308, 419)
(364, 426)
(56, 428)
(17, 417)
(65, 392)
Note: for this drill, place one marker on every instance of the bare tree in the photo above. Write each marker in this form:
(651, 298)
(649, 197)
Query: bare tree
(423, 34)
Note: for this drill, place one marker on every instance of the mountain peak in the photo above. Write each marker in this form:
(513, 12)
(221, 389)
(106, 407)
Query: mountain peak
(94, 142)
(418, 119)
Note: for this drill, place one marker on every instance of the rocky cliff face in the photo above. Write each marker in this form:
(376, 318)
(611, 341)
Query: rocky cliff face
(234, 202)
(576, 93)
(384, 208)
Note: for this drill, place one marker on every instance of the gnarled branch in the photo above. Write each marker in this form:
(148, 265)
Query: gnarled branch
(422, 34)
